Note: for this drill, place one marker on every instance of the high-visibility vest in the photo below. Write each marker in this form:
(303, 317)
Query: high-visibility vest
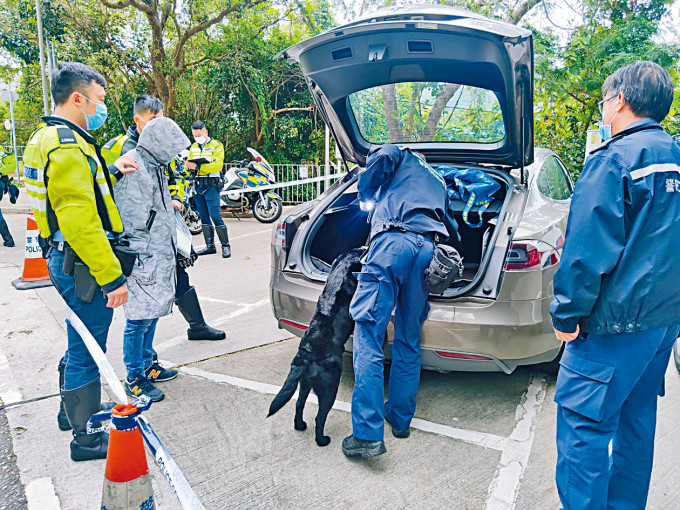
(213, 151)
(64, 158)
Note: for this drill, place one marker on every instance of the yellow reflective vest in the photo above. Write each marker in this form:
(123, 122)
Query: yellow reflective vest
(70, 191)
(213, 151)
(116, 147)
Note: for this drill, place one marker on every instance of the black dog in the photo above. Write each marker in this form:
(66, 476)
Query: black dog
(318, 363)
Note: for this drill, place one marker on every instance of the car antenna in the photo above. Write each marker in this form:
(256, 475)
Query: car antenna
(521, 150)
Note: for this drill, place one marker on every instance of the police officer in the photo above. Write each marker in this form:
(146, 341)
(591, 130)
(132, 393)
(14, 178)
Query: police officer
(617, 297)
(7, 165)
(72, 200)
(208, 182)
(145, 109)
(409, 210)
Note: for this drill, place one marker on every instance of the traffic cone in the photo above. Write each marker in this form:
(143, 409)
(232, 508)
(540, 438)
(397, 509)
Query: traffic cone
(35, 273)
(127, 484)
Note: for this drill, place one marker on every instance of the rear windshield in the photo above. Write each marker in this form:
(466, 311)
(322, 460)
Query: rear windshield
(428, 112)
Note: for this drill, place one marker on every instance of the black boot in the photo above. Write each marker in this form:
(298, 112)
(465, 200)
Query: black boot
(191, 310)
(6, 236)
(62, 420)
(209, 236)
(80, 404)
(224, 240)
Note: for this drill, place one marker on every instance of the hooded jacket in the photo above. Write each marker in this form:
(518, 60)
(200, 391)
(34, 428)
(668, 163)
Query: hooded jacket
(146, 208)
(620, 269)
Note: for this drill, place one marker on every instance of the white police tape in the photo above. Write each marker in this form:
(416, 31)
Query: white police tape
(282, 184)
(179, 485)
(185, 495)
(98, 356)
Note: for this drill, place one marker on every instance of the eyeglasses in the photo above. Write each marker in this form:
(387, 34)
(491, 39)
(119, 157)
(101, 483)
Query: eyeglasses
(600, 104)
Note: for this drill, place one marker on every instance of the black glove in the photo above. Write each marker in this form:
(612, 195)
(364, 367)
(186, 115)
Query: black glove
(187, 262)
(13, 193)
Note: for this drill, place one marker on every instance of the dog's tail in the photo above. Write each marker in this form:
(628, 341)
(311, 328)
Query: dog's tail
(298, 368)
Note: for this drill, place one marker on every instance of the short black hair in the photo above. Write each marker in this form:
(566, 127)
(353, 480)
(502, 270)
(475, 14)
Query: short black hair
(646, 86)
(73, 76)
(198, 125)
(147, 102)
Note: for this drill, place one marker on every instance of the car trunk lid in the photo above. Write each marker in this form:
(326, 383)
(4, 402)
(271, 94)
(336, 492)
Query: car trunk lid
(440, 46)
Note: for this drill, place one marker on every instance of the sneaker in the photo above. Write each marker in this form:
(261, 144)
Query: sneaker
(142, 386)
(354, 447)
(157, 373)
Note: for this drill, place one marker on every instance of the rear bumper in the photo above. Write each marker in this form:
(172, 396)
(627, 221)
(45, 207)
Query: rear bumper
(505, 334)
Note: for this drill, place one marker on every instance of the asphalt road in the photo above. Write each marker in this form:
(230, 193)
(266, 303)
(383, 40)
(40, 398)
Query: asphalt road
(480, 441)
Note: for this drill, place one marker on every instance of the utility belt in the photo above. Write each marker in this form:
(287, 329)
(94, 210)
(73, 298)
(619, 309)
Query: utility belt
(208, 181)
(85, 283)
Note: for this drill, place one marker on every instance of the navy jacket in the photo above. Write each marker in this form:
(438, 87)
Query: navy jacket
(620, 269)
(408, 194)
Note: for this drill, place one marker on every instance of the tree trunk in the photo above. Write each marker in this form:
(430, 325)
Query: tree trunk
(391, 113)
(440, 103)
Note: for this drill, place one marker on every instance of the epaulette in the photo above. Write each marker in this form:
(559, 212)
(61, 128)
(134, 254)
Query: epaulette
(66, 135)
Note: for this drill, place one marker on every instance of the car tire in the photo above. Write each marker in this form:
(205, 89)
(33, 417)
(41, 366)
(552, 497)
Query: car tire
(676, 354)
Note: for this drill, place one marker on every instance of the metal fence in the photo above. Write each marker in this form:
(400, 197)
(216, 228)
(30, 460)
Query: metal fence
(301, 192)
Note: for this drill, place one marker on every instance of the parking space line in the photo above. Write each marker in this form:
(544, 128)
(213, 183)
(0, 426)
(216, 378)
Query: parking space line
(504, 488)
(40, 495)
(9, 394)
(215, 300)
(243, 309)
(477, 438)
(201, 246)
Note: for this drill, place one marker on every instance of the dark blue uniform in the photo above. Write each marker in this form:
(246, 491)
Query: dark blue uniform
(411, 208)
(619, 280)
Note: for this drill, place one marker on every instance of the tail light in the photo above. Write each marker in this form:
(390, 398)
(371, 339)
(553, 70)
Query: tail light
(530, 256)
(279, 234)
(297, 325)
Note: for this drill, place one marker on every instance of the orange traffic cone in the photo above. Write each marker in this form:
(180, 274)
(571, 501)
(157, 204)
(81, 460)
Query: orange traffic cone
(35, 273)
(127, 484)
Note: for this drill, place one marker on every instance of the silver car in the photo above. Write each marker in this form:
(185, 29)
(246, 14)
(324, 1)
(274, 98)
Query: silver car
(457, 88)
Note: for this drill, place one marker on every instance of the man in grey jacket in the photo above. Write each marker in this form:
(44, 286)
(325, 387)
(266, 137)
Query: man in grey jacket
(148, 216)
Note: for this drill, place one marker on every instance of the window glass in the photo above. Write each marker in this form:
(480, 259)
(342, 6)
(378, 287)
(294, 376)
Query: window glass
(553, 181)
(428, 112)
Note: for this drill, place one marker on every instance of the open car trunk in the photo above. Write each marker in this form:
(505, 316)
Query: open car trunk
(343, 226)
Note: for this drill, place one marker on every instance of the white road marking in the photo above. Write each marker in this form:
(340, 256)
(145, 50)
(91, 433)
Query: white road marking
(505, 485)
(40, 495)
(468, 436)
(201, 246)
(221, 320)
(215, 300)
(251, 234)
(8, 391)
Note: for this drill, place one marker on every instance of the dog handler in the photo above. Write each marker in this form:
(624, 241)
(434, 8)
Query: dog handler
(617, 297)
(409, 209)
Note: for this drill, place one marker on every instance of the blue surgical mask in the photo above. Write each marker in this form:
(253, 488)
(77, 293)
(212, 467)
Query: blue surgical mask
(96, 120)
(606, 130)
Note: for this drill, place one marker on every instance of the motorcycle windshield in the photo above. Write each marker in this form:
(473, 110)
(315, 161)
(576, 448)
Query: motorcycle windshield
(263, 162)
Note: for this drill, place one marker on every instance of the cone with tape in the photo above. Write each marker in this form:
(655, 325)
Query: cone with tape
(127, 484)
(35, 273)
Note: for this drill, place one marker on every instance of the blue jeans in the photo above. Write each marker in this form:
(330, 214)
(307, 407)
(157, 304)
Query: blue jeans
(606, 391)
(208, 205)
(393, 275)
(80, 367)
(137, 346)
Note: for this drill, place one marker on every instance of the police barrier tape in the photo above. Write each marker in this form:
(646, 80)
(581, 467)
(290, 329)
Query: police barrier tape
(185, 495)
(250, 189)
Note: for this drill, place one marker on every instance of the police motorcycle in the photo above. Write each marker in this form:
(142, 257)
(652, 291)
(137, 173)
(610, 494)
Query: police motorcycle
(236, 196)
(190, 217)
